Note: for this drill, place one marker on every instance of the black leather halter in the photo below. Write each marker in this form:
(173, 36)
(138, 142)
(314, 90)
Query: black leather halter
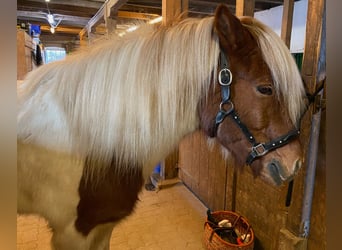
(225, 78)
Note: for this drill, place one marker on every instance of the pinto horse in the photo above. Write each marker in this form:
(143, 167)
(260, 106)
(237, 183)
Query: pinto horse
(92, 126)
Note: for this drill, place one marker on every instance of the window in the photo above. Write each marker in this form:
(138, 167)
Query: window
(54, 54)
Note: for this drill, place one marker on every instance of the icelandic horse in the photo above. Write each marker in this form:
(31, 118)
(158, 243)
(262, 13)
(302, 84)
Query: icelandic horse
(92, 126)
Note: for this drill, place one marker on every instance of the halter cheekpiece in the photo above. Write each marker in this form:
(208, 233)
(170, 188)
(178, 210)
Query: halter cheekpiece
(226, 108)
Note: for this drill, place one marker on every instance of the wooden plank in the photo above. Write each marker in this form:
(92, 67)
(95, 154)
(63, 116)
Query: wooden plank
(196, 163)
(69, 30)
(286, 32)
(313, 56)
(24, 58)
(204, 169)
(170, 165)
(74, 3)
(245, 7)
(185, 160)
(108, 9)
(170, 11)
(312, 41)
(259, 202)
(185, 8)
(173, 9)
(21, 55)
(136, 15)
(217, 178)
(286, 26)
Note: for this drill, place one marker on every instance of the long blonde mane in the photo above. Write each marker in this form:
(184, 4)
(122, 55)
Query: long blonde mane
(134, 98)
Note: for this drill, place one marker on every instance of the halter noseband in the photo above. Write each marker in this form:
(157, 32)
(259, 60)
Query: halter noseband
(227, 109)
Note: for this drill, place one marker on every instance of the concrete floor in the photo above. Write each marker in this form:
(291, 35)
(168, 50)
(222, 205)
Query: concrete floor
(171, 218)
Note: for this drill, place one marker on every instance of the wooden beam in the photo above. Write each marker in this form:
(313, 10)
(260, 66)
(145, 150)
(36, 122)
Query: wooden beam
(104, 12)
(75, 3)
(245, 7)
(173, 9)
(95, 19)
(286, 26)
(170, 9)
(185, 8)
(136, 15)
(61, 29)
(40, 16)
(112, 7)
(314, 29)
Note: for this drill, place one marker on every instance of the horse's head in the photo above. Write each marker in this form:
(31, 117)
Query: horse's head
(255, 115)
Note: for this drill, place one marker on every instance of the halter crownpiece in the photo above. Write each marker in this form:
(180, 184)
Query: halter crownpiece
(225, 79)
(226, 108)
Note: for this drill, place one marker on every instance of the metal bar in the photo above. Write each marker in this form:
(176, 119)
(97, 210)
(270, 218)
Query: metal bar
(319, 72)
(310, 175)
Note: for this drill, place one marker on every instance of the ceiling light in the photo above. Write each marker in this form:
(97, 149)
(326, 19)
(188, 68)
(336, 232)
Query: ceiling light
(51, 19)
(52, 29)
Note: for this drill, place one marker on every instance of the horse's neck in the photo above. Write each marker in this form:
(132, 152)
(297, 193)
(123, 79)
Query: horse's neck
(41, 120)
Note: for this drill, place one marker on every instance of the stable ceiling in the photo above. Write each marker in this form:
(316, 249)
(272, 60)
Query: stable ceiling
(74, 15)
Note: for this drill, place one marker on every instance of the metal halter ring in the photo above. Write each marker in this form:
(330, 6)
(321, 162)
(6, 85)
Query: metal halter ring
(226, 112)
(225, 77)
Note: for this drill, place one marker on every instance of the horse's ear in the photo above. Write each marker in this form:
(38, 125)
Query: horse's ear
(229, 29)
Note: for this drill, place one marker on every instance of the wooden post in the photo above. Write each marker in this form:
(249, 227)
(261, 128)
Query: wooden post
(286, 25)
(83, 41)
(313, 70)
(312, 42)
(185, 8)
(110, 24)
(172, 9)
(286, 30)
(313, 56)
(245, 7)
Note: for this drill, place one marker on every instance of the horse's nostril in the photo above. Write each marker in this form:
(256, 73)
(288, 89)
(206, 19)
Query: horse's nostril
(273, 168)
(297, 166)
(278, 173)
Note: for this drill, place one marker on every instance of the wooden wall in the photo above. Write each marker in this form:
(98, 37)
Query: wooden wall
(24, 59)
(211, 179)
(219, 187)
(203, 170)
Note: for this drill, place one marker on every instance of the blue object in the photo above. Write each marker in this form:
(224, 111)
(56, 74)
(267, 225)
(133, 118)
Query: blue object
(34, 29)
(156, 170)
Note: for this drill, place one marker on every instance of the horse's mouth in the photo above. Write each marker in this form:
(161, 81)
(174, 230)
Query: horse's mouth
(278, 174)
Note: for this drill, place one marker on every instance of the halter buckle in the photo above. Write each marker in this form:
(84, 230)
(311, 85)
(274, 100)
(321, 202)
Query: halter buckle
(259, 149)
(225, 77)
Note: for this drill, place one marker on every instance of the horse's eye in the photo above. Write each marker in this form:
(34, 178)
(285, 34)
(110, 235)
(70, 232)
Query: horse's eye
(265, 90)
